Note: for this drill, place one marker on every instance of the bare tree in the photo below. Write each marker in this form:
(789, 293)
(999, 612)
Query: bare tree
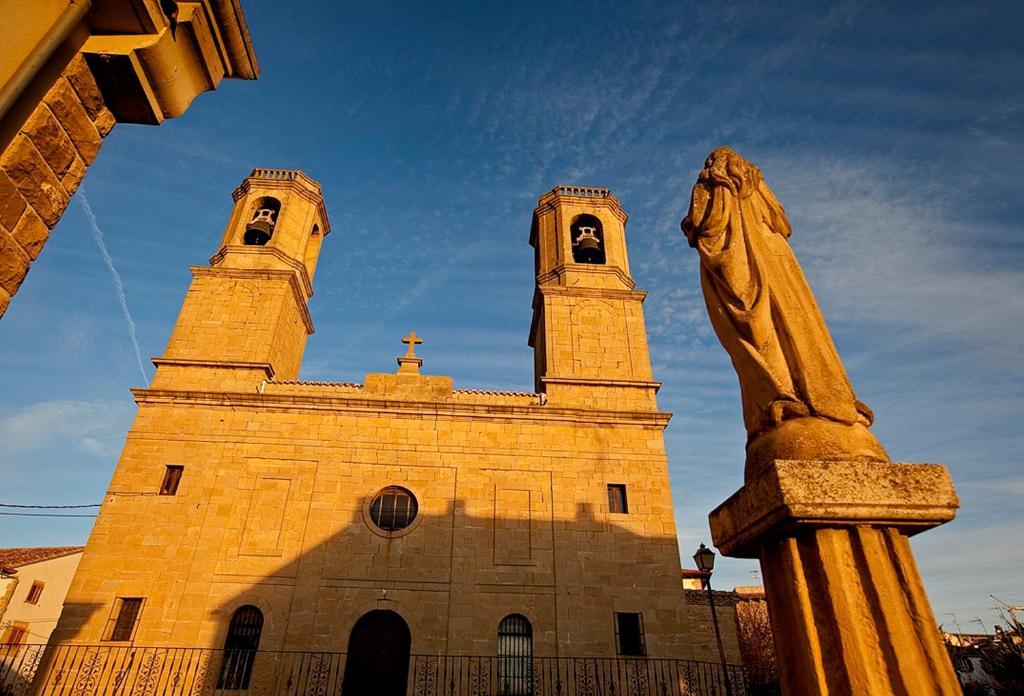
(757, 648)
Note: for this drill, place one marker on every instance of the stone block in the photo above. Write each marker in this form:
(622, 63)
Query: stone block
(105, 122)
(81, 78)
(73, 179)
(31, 233)
(14, 264)
(793, 494)
(12, 203)
(34, 179)
(50, 140)
(68, 108)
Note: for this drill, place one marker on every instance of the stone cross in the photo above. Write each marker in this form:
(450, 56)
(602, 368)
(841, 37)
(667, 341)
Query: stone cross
(412, 339)
(409, 363)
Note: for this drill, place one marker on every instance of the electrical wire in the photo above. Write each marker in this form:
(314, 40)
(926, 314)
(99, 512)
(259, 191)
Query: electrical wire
(48, 507)
(43, 515)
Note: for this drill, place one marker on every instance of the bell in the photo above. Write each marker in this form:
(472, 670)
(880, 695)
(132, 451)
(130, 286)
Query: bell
(257, 233)
(588, 246)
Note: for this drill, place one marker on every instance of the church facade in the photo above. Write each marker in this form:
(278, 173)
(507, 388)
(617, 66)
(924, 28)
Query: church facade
(401, 515)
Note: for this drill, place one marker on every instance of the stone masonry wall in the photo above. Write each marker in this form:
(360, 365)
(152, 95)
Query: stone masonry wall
(42, 167)
(272, 510)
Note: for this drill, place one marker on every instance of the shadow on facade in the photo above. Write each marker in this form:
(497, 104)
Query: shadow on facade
(451, 577)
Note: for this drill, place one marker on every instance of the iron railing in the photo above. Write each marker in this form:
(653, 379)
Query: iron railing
(87, 670)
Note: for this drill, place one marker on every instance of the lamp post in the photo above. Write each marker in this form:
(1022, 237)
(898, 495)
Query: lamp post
(705, 560)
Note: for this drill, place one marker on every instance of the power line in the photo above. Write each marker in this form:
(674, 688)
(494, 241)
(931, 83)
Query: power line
(41, 514)
(48, 507)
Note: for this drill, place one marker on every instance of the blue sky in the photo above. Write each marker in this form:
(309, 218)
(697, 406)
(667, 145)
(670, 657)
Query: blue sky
(893, 134)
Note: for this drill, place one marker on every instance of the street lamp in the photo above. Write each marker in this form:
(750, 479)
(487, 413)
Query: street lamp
(705, 560)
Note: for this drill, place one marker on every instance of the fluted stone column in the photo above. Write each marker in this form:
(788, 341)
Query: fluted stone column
(847, 605)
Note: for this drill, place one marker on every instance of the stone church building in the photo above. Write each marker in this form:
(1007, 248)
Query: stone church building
(401, 516)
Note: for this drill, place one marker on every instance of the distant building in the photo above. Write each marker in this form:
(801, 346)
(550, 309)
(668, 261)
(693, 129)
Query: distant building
(693, 579)
(966, 650)
(742, 620)
(33, 584)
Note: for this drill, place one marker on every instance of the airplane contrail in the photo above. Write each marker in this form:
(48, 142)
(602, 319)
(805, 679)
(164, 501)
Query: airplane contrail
(97, 235)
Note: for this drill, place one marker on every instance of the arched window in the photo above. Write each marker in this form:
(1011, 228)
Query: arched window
(264, 219)
(240, 646)
(587, 237)
(515, 656)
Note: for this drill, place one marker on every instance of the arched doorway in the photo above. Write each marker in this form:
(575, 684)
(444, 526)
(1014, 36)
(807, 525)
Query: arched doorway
(378, 655)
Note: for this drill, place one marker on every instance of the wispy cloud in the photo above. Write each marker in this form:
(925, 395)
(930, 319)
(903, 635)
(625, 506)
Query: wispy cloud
(877, 254)
(92, 427)
(97, 235)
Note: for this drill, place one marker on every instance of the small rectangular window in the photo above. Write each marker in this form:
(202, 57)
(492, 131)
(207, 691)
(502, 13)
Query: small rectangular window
(34, 592)
(16, 633)
(617, 498)
(172, 476)
(629, 634)
(124, 618)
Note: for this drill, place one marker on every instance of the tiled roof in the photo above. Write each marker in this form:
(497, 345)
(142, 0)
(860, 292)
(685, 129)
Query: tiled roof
(15, 558)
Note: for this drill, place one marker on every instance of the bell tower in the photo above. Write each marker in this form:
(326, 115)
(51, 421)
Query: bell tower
(245, 316)
(588, 334)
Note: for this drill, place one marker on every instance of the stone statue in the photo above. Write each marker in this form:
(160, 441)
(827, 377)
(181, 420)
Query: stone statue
(797, 399)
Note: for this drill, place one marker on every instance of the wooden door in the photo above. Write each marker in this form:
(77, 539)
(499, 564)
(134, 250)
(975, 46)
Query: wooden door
(378, 655)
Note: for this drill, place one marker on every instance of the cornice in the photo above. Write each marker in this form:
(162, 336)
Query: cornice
(267, 368)
(249, 250)
(607, 293)
(559, 196)
(598, 382)
(313, 403)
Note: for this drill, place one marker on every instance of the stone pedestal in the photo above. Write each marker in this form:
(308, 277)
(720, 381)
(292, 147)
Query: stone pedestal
(848, 608)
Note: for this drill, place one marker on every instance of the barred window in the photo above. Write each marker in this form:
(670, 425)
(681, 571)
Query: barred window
(393, 508)
(124, 618)
(240, 646)
(617, 498)
(172, 477)
(16, 634)
(515, 656)
(35, 592)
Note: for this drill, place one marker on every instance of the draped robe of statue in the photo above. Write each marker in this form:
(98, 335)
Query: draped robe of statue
(760, 304)
(822, 507)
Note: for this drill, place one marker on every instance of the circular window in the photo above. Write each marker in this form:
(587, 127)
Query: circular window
(393, 508)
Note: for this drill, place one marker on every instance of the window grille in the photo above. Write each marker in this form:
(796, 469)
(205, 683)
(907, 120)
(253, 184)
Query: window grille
(629, 634)
(515, 656)
(240, 646)
(172, 477)
(17, 634)
(124, 618)
(393, 508)
(617, 498)
(34, 592)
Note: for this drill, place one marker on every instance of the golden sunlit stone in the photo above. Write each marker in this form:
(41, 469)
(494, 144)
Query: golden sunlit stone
(275, 503)
(822, 507)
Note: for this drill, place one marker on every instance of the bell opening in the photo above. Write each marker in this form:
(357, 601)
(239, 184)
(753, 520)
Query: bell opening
(587, 237)
(264, 218)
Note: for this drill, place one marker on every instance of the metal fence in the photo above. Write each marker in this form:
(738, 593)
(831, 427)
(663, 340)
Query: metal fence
(81, 670)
